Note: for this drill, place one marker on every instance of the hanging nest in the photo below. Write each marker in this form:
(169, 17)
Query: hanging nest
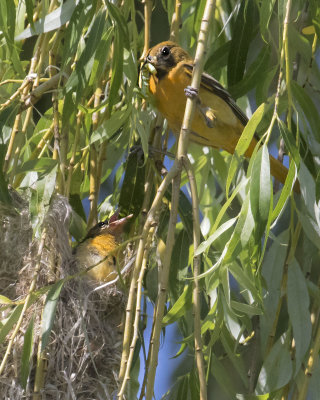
(82, 358)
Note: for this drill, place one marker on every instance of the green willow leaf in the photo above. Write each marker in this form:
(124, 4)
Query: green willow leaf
(241, 39)
(277, 368)
(132, 191)
(244, 142)
(308, 107)
(29, 9)
(4, 191)
(27, 354)
(208, 242)
(52, 21)
(266, 9)
(260, 189)
(298, 309)
(253, 75)
(5, 300)
(220, 372)
(285, 192)
(81, 16)
(217, 59)
(44, 165)
(247, 309)
(108, 128)
(49, 313)
(289, 140)
(80, 77)
(9, 323)
(180, 307)
(117, 68)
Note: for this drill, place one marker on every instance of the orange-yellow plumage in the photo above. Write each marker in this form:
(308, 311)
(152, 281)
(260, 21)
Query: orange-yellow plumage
(101, 248)
(218, 122)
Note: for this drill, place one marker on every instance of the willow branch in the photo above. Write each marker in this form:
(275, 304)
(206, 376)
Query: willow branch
(137, 315)
(181, 155)
(282, 63)
(17, 121)
(74, 153)
(163, 285)
(176, 22)
(150, 221)
(196, 286)
(147, 23)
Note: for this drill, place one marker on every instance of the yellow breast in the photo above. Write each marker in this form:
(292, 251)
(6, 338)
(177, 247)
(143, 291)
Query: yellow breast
(100, 250)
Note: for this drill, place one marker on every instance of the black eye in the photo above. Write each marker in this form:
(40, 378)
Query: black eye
(102, 223)
(165, 51)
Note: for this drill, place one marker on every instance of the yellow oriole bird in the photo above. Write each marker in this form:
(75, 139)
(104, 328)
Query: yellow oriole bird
(100, 247)
(218, 121)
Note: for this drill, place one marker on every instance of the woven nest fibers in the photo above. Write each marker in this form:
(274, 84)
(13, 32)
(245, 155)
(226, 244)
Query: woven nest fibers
(82, 355)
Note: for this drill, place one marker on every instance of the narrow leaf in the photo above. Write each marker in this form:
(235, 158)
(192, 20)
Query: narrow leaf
(260, 189)
(49, 313)
(111, 125)
(298, 309)
(206, 243)
(276, 370)
(289, 141)
(266, 9)
(8, 325)
(308, 107)
(285, 192)
(180, 307)
(241, 38)
(54, 20)
(132, 191)
(27, 354)
(244, 142)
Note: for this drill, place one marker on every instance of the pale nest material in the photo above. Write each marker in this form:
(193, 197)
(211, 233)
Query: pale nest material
(83, 355)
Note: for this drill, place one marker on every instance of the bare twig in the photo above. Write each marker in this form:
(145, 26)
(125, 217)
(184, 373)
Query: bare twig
(196, 286)
(147, 23)
(137, 314)
(176, 22)
(181, 155)
(150, 221)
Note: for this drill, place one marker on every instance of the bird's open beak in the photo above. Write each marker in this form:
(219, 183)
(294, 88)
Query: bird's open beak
(116, 225)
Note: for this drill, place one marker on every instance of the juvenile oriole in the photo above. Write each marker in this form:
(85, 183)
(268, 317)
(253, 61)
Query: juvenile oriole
(218, 121)
(101, 244)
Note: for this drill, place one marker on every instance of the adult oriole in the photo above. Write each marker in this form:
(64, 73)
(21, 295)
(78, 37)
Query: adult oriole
(101, 244)
(218, 121)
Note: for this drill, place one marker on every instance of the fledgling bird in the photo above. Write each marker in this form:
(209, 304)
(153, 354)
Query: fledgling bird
(218, 121)
(101, 245)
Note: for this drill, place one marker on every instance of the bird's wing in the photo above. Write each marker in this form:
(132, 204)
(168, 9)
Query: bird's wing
(212, 85)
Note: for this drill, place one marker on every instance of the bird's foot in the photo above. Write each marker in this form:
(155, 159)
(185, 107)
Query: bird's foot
(191, 92)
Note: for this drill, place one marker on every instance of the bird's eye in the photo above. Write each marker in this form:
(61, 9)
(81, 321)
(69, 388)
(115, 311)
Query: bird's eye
(165, 51)
(102, 223)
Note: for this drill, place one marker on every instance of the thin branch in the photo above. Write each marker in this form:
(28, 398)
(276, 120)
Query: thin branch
(282, 64)
(196, 287)
(147, 23)
(17, 121)
(176, 22)
(163, 285)
(137, 314)
(181, 155)
(150, 221)
(74, 153)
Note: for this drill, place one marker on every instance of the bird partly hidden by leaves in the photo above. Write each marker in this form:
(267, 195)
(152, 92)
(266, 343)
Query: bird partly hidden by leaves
(101, 247)
(218, 121)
